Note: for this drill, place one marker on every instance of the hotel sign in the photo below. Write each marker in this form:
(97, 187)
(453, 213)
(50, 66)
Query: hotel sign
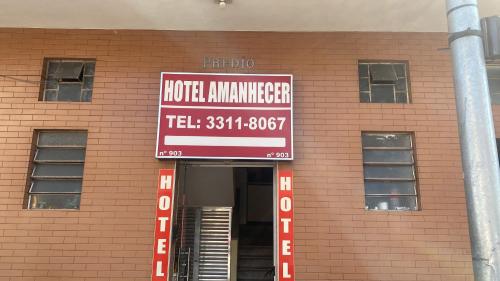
(285, 205)
(163, 228)
(225, 116)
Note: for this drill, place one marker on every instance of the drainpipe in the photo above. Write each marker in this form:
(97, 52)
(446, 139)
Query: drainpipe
(477, 138)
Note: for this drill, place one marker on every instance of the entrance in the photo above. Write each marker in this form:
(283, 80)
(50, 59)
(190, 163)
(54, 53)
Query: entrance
(224, 222)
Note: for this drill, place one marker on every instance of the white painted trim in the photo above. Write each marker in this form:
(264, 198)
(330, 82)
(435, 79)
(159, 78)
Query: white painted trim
(224, 141)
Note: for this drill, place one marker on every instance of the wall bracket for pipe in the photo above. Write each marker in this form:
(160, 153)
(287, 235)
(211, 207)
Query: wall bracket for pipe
(469, 32)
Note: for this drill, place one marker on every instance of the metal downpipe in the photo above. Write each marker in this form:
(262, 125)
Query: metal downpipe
(477, 138)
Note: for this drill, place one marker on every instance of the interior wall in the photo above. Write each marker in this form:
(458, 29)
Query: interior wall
(209, 186)
(260, 203)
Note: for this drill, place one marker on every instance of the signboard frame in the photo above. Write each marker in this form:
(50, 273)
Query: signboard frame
(290, 157)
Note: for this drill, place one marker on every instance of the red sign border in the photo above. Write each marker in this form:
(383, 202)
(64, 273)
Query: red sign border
(290, 235)
(168, 231)
(227, 158)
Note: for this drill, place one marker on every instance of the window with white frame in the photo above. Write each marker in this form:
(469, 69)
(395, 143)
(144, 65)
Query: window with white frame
(57, 170)
(389, 171)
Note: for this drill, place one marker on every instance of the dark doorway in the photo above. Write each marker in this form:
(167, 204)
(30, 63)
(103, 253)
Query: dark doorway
(255, 224)
(224, 224)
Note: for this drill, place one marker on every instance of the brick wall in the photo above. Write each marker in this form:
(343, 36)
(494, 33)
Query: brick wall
(111, 236)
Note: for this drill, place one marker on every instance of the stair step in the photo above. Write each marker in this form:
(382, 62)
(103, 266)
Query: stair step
(256, 253)
(255, 250)
(259, 279)
(264, 268)
(255, 274)
(247, 261)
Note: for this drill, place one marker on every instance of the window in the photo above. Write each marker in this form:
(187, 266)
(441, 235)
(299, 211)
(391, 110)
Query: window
(389, 171)
(68, 80)
(498, 149)
(494, 83)
(57, 171)
(383, 82)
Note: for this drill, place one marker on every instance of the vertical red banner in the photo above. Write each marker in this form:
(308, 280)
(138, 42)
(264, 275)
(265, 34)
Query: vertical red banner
(286, 265)
(163, 228)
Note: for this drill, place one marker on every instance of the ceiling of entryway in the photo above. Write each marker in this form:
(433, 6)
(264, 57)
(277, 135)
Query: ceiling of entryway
(241, 15)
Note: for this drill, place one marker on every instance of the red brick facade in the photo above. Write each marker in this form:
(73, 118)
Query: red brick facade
(111, 236)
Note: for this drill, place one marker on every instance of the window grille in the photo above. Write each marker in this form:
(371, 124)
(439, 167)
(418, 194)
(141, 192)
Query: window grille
(389, 171)
(383, 82)
(68, 80)
(56, 177)
(494, 83)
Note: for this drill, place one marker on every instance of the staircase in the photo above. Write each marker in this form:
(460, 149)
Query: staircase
(255, 263)
(255, 253)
